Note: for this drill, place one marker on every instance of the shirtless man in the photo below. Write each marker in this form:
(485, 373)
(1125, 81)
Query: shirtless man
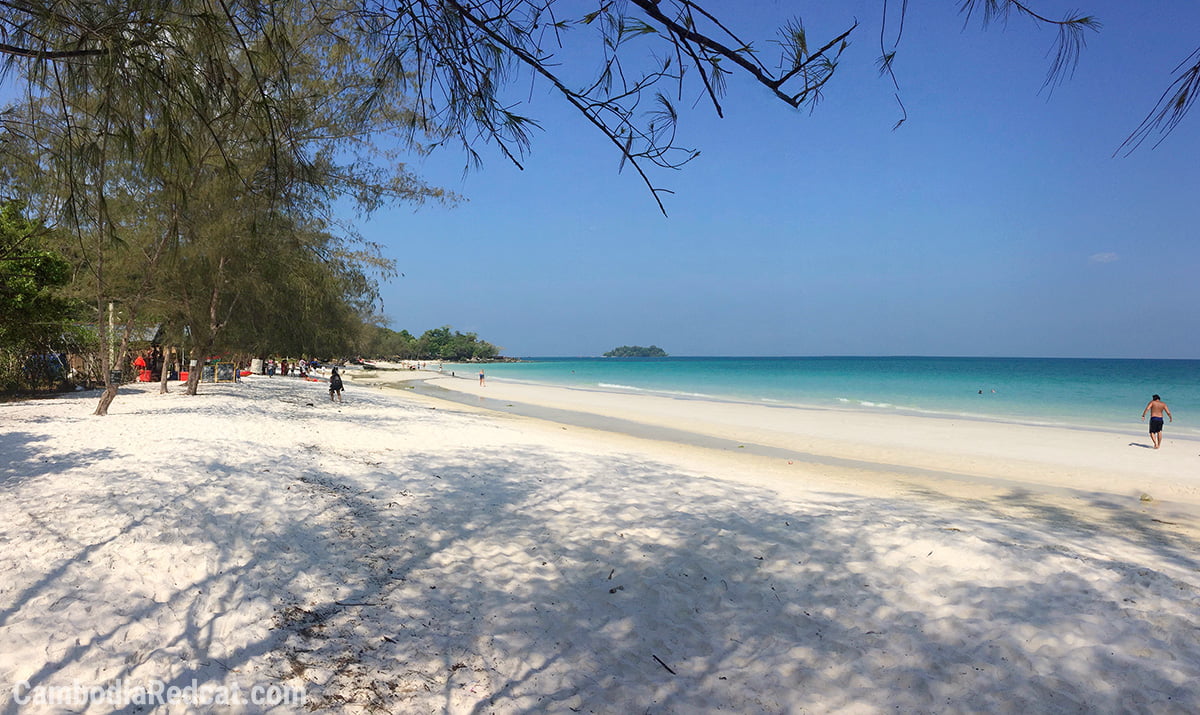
(1157, 408)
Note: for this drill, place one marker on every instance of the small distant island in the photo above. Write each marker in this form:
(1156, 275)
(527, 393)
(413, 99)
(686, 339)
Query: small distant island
(636, 351)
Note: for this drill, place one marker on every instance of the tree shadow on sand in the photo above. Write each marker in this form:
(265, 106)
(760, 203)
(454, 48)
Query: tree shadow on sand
(501, 586)
(511, 579)
(23, 460)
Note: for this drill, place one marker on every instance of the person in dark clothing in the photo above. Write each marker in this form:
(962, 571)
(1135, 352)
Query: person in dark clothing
(1157, 408)
(335, 385)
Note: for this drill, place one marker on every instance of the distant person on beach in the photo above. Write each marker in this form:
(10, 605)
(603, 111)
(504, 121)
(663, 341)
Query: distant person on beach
(481, 382)
(335, 385)
(1157, 408)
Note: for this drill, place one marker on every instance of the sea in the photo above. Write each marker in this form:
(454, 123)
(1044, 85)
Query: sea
(1081, 393)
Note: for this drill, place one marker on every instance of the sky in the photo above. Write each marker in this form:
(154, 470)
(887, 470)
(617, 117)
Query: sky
(1000, 219)
(996, 221)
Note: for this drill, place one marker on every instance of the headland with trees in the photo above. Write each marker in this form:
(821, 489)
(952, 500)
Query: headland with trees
(626, 351)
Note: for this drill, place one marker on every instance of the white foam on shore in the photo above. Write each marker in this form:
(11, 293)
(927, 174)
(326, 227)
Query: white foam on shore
(671, 393)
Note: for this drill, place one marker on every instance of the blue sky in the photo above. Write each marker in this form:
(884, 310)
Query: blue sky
(996, 221)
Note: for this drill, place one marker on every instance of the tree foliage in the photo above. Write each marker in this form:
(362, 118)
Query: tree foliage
(36, 320)
(449, 69)
(194, 151)
(434, 344)
(28, 274)
(637, 351)
(180, 143)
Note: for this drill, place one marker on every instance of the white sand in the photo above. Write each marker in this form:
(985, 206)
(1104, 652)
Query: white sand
(405, 555)
(1032, 456)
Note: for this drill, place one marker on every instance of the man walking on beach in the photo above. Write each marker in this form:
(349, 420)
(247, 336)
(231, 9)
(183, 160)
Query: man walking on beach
(1157, 408)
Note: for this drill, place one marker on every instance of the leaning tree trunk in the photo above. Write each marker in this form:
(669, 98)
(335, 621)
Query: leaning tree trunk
(132, 307)
(105, 330)
(110, 385)
(110, 390)
(106, 398)
(122, 356)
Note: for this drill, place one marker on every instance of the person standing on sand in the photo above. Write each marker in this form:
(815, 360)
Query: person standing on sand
(481, 383)
(1157, 408)
(335, 385)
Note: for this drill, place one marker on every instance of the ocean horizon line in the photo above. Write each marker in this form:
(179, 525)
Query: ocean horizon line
(851, 356)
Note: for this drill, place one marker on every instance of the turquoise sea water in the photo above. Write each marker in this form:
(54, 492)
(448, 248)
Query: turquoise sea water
(1073, 392)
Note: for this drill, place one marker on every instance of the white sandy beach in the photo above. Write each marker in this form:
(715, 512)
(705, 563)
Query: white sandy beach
(1040, 457)
(402, 554)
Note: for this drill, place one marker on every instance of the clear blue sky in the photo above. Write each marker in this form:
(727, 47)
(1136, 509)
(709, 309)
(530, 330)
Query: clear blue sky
(996, 221)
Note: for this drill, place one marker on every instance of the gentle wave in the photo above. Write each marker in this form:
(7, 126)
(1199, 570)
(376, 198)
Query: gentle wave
(631, 388)
(1061, 391)
(1032, 421)
(866, 403)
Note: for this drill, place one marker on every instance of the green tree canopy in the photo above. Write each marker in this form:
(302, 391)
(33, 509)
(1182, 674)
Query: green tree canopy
(195, 151)
(445, 70)
(34, 317)
(434, 344)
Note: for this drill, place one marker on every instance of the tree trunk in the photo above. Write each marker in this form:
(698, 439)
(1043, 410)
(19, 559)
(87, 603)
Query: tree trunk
(105, 332)
(106, 398)
(117, 360)
(117, 364)
(166, 370)
(195, 368)
(196, 365)
(199, 351)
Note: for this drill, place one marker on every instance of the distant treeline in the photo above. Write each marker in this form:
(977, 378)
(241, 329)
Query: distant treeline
(636, 351)
(436, 344)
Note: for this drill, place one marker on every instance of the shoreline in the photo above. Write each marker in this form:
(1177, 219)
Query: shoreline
(956, 397)
(848, 408)
(1046, 458)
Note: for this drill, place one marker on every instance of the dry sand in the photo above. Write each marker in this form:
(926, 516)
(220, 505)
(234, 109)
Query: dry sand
(401, 554)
